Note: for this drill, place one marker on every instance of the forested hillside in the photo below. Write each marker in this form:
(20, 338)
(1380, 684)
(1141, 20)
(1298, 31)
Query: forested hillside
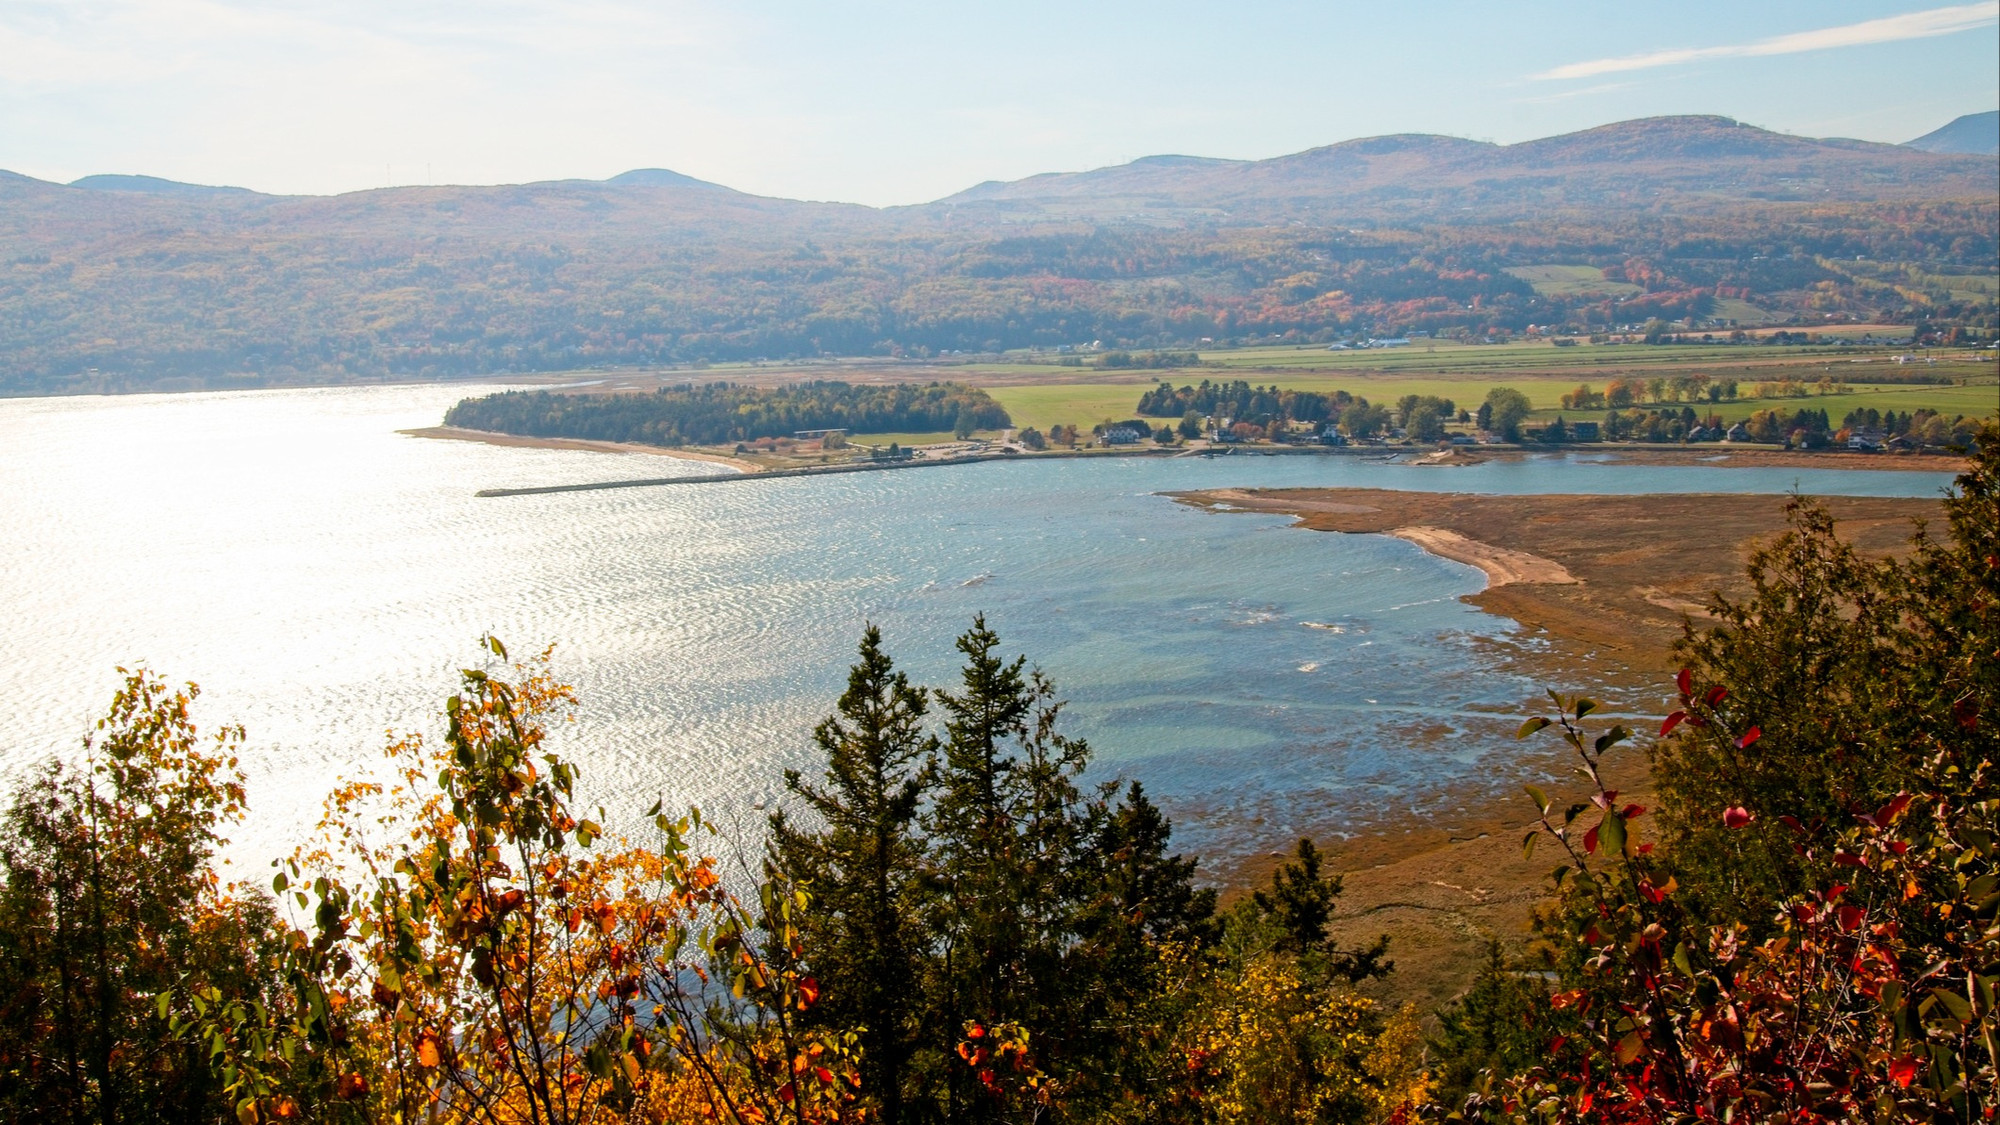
(119, 284)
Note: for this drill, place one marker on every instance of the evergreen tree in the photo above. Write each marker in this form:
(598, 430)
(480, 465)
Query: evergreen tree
(1142, 889)
(862, 869)
(1140, 917)
(971, 881)
(1299, 905)
(1497, 1026)
(1007, 825)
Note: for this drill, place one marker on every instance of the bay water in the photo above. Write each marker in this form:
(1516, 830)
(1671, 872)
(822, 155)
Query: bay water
(322, 576)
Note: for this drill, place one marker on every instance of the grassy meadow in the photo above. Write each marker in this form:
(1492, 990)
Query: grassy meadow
(1040, 392)
(1043, 404)
(1572, 281)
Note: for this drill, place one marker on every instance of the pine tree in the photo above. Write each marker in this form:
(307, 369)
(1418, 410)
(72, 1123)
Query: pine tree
(862, 869)
(1012, 832)
(1142, 888)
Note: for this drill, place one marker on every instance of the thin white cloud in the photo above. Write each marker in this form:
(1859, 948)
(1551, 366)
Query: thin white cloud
(1579, 92)
(1891, 29)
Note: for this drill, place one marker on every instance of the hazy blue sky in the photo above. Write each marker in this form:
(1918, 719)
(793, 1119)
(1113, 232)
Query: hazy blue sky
(892, 102)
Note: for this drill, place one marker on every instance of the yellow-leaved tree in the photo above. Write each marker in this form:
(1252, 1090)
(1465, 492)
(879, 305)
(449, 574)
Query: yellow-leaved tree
(474, 955)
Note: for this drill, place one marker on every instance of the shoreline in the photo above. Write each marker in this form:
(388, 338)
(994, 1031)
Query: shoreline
(518, 441)
(755, 475)
(761, 473)
(1725, 456)
(1443, 541)
(1410, 457)
(1599, 586)
(1502, 566)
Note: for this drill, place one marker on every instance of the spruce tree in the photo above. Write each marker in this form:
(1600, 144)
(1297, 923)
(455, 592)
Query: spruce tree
(862, 868)
(1008, 825)
(1299, 905)
(973, 880)
(1141, 922)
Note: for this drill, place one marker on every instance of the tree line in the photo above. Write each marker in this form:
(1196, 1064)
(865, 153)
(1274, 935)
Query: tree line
(716, 413)
(1243, 402)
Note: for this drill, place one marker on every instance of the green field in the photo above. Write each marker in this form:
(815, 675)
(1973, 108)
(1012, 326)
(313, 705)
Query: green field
(1083, 405)
(1572, 281)
(1039, 392)
(1977, 401)
(1583, 360)
(1086, 404)
(1446, 357)
(1742, 312)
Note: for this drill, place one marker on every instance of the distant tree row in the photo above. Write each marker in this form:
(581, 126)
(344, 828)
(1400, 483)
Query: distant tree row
(1144, 360)
(715, 413)
(1243, 402)
(1623, 393)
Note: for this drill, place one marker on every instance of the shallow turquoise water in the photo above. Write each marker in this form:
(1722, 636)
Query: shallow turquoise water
(322, 575)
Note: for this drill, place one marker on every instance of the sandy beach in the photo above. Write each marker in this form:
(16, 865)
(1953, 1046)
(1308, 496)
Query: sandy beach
(456, 433)
(1503, 567)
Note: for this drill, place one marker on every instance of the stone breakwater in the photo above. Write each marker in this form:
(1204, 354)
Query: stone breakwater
(805, 471)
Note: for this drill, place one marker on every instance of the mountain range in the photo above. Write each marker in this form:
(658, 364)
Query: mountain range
(125, 280)
(1673, 161)
(1688, 160)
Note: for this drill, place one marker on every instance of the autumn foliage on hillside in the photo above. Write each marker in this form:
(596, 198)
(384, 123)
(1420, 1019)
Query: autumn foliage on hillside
(563, 277)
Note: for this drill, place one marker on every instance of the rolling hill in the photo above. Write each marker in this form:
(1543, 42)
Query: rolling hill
(123, 282)
(1975, 134)
(1677, 162)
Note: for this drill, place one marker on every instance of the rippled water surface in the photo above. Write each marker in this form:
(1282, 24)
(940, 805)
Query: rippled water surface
(321, 576)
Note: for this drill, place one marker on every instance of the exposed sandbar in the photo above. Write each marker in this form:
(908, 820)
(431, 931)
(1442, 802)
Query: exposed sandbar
(1608, 581)
(1607, 575)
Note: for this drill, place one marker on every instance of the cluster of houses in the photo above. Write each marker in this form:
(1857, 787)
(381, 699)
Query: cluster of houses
(1737, 432)
(1218, 430)
(1869, 440)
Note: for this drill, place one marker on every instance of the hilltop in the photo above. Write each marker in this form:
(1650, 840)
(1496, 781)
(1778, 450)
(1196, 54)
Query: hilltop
(1975, 134)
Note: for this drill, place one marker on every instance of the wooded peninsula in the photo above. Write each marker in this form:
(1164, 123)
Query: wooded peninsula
(716, 413)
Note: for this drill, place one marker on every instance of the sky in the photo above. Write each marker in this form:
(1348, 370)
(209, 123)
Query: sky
(886, 102)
